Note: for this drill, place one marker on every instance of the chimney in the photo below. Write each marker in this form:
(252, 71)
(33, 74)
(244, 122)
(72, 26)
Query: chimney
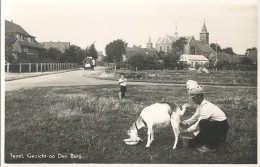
(140, 46)
(12, 21)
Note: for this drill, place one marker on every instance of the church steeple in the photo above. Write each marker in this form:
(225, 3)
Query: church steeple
(149, 43)
(176, 31)
(204, 35)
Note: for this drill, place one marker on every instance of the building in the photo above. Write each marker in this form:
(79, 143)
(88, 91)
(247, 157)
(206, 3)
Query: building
(62, 46)
(100, 56)
(131, 51)
(194, 60)
(193, 47)
(25, 42)
(204, 35)
(252, 54)
(149, 43)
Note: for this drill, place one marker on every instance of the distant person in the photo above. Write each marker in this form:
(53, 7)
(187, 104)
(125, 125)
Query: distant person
(209, 123)
(122, 83)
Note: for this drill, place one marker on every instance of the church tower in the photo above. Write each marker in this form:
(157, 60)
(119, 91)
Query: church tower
(149, 43)
(204, 35)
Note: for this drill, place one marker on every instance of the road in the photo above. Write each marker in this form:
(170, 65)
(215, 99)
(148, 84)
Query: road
(72, 78)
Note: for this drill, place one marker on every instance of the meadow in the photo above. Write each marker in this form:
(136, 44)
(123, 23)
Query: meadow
(91, 122)
(227, 77)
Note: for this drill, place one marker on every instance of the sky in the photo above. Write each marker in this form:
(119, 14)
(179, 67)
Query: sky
(84, 22)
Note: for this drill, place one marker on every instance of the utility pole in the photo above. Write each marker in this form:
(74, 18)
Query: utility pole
(216, 55)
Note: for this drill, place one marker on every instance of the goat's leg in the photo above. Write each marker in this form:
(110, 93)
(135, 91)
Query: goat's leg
(149, 136)
(152, 135)
(176, 135)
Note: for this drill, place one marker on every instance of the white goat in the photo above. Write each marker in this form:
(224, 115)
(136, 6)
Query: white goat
(158, 114)
(191, 85)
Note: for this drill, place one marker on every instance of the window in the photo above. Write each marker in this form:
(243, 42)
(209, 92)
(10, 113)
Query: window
(192, 50)
(22, 37)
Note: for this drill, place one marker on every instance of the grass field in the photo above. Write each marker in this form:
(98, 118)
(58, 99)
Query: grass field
(89, 121)
(248, 78)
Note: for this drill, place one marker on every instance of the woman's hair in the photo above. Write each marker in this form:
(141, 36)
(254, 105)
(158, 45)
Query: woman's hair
(122, 74)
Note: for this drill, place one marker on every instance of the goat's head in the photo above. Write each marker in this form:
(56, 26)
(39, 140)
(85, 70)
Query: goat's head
(184, 106)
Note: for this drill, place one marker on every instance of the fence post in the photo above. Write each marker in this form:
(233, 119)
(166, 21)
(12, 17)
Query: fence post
(41, 67)
(36, 67)
(30, 67)
(20, 67)
(7, 67)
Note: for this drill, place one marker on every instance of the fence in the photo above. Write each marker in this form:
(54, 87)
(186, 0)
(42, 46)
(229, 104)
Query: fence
(38, 67)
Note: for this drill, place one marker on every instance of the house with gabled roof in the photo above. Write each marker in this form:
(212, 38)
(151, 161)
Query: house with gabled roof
(194, 60)
(25, 42)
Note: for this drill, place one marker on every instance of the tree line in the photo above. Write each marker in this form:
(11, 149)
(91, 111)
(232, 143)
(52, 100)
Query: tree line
(116, 50)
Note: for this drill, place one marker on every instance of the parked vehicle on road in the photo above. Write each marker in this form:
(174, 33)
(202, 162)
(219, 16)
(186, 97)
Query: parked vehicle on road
(89, 63)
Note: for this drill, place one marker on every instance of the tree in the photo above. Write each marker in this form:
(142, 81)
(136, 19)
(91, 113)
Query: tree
(142, 62)
(10, 39)
(115, 51)
(178, 46)
(92, 51)
(246, 60)
(216, 47)
(160, 54)
(170, 60)
(50, 56)
(250, 49)
(74, 54)
(228, 50)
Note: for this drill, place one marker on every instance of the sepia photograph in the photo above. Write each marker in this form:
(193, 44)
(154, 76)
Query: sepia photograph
(129, 82)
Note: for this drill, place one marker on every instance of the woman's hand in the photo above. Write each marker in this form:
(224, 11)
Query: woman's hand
(184, 130)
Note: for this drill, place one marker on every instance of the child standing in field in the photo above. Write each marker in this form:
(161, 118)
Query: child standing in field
(122, 83)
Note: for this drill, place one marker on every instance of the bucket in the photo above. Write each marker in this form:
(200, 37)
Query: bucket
(185, 141)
